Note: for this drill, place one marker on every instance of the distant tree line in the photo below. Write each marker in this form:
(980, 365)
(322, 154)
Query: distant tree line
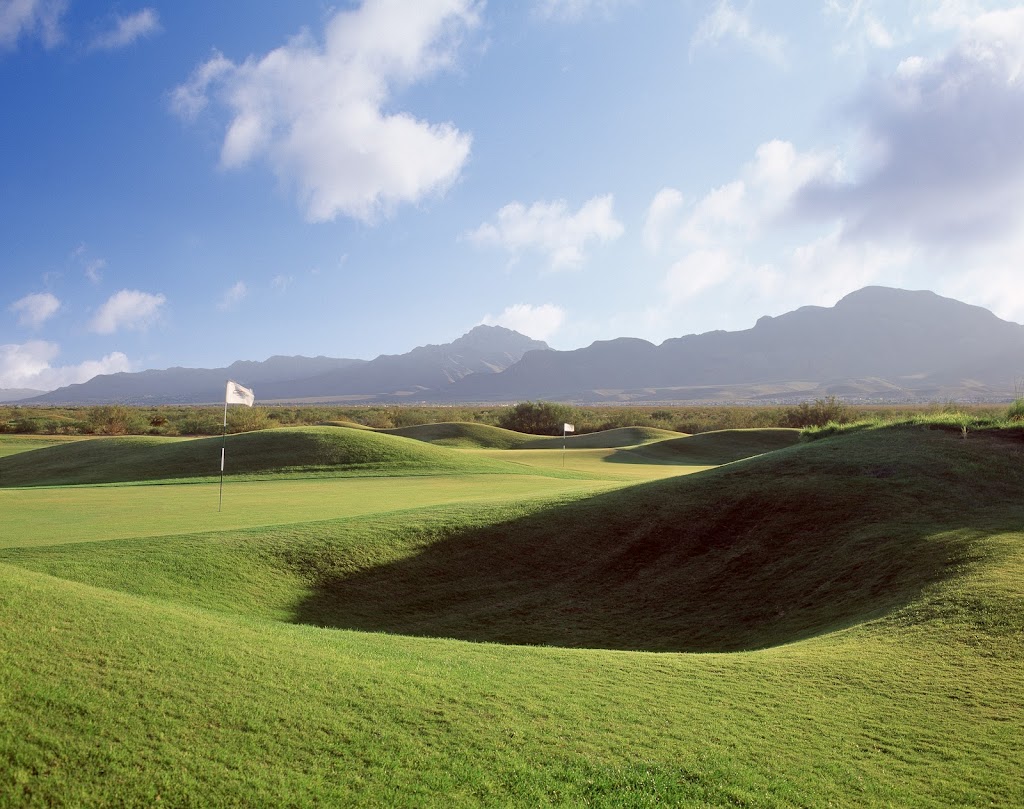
(537, 418)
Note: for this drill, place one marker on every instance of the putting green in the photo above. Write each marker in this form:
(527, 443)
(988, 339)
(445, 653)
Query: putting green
(57, 516)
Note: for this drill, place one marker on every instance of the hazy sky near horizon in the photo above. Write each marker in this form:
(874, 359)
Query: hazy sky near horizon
(193, 183)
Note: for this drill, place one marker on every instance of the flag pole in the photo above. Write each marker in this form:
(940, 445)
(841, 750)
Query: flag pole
(237, 394)
(563, 445)
(223, 446)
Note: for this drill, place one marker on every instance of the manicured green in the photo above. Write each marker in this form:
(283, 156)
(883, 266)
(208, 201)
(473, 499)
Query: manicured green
(838, 621)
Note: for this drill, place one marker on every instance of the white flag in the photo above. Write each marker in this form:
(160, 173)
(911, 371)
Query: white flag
(568, 428)
(236, 394)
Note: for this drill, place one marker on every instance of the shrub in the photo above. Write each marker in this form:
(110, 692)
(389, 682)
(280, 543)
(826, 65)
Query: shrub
(818, 414)
(537, 418)
(1016, 410)
(113, 420)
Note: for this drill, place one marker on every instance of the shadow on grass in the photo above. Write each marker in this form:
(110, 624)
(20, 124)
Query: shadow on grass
(765, 552)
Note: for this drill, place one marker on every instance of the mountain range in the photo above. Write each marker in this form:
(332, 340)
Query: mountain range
(876, 344)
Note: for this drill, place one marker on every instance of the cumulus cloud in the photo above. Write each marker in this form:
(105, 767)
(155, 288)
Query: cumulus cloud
(233, 296)
(25, 18)
(726, 23)
(661, 213)
(28, 365)
(538, 322)
(740, 210)
(128, 309)
(319, 112)
(942, 157)
(549, 228)
(863, 27)
(128, 29)
(282, 282)
(34, 310)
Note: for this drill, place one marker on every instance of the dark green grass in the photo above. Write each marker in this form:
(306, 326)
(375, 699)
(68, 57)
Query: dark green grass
(287, 451)
(713, 448)
(781, 547)
(482, 436)
(879, 573)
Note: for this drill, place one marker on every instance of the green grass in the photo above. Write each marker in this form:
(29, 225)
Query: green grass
(482, 436)
(13, 443)
(293, 451)
(834, 622)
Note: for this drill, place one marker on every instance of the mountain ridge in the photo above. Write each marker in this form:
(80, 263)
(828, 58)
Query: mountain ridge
(875, 344)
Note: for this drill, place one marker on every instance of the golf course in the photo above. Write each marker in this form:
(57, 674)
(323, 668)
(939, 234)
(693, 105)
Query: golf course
(462, 615)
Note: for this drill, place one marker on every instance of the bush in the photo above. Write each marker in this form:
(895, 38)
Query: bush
(113, 420)
(818, 414)
(1016, 411)
(537, 418)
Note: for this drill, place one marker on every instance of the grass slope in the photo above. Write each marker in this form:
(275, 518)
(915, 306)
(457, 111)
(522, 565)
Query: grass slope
(712, 448)
(286, 451)
(167, 672)
(468, 435)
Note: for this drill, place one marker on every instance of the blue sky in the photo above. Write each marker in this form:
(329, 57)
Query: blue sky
(193, 183)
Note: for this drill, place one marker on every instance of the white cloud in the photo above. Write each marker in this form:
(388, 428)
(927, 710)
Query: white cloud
(233, 296)
(34, 310)
(942, 161)
(697, 272)
(28, 365)
(538, 322)
(20, 18)
(320, 113)
(863, 28)
(128, 29)
(727, 23)
(282, 282)
(661, 214)
(574, 10)
(549, 228)
(740, 210)
(128, 309)
(92, 270)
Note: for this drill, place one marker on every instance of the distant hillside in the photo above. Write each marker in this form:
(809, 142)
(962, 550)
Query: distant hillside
(877, 343)
(483, 350)
(17, 394)
(187, 385)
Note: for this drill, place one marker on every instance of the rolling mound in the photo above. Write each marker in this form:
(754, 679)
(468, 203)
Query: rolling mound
(295, 450)
(711, 449)
(786, 546)
(463, 434)
(484, 436)
(604, 439)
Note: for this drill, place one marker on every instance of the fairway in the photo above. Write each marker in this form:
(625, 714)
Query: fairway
(728, 618)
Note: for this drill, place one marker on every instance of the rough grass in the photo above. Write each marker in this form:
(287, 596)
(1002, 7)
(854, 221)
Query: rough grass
(880, 575)
(288, 451)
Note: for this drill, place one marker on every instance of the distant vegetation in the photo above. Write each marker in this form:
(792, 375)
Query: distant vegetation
(536, 418)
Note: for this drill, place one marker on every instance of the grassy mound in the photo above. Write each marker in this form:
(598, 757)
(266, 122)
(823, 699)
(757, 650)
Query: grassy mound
(605, 439)
(713, 448)
(781, 547)
(161, 670)
(288, 451)
(463, 434)
(483, 436)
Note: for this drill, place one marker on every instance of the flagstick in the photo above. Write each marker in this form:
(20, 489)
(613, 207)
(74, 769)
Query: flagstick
(223, 445)
(563, 445)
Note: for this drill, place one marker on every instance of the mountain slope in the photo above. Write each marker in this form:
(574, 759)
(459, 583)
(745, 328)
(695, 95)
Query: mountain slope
(483, 350)
(879, 341)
